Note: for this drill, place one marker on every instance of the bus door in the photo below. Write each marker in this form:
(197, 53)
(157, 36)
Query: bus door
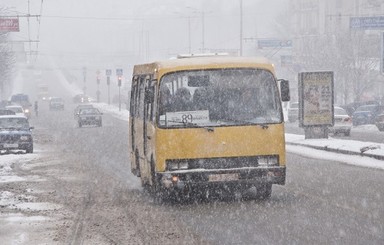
(148, 125)
(133, 117)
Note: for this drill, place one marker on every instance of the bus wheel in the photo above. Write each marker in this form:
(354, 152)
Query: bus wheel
(137, 163)
(158, 193)
(264, 191)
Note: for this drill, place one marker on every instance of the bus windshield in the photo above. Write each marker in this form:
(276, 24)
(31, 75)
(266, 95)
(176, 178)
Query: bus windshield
(219, 97)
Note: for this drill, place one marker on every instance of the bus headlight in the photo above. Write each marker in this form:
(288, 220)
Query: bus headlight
(183, 165)
(177, 165)
(173, 166)
(268, 161)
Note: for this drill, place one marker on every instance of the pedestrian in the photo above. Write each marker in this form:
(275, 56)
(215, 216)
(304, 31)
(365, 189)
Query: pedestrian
(36, 109)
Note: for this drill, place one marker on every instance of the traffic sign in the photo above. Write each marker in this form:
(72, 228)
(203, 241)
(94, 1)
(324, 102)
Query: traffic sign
(375, 22)
(108, 72)
(273, 43)
(119, 72)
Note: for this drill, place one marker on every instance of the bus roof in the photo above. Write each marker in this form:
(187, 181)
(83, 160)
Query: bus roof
(211, 62)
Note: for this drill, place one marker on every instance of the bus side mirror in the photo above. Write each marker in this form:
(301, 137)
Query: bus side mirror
(284, 90)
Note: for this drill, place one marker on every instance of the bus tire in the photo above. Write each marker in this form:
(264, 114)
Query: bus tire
(264, 191)
(137, 164)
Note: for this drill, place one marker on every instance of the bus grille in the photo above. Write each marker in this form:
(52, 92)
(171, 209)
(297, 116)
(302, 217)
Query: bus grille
(215, 163)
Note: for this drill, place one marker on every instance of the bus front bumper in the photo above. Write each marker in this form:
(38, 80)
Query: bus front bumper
(182, 179)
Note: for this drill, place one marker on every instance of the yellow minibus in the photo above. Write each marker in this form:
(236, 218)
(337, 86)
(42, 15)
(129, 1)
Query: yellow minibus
(207, 123)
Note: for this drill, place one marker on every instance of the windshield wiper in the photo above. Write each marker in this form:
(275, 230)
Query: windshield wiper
(238, 121)
(184, 123)
(242, 122)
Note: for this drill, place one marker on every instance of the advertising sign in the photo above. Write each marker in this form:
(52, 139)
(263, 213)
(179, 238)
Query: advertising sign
(9, 25)
(185, 117)
(375, 22)
(316, 99)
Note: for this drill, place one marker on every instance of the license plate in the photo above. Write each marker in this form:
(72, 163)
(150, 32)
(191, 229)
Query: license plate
(11, 145)
(223, 177)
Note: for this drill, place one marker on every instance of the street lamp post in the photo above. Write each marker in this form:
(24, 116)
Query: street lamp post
(241, 29)
(202, 12)
(85, 79)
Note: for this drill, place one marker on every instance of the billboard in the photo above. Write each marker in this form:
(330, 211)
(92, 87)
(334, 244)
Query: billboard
(316, 99)
(375, 22)
(9, 25)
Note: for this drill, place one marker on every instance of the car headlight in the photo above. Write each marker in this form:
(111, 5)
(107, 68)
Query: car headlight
(268, 161)
(26, 111)
(24, 137)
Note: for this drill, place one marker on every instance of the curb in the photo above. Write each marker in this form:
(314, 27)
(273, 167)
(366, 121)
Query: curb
(325, 148)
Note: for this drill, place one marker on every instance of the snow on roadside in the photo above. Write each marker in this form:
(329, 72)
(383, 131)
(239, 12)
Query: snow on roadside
(336, 157)
(6, 162)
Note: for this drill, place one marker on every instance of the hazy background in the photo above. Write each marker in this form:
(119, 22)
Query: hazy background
(121, 32)
(93, 35)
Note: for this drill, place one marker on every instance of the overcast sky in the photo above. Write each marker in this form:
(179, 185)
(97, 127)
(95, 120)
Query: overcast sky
(142, 30)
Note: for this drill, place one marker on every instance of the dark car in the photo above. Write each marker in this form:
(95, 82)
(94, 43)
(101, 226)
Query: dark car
(380, 122)
(365, 114)
(6, 112)
(56, 103)
(15, 133)
(80, 107)
(23, 101)
(89, 116)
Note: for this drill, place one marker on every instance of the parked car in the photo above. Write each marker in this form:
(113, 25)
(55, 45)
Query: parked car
(82, 98)
(18, 109)
(81, 106)
(365, 114)
(15, 133)
(89, 116)
(380, 121)
(56, 103)
(23, 101)
(293, 112)
(343, 122)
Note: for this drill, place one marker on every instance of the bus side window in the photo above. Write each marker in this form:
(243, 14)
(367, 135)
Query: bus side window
(149, 100)
(133, 104)
(140, 100)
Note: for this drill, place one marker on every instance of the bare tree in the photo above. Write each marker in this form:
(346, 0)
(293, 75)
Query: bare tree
(351, 56)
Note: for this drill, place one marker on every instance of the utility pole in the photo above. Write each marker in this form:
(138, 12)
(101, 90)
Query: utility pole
(85, 79)
(189, 35)
(241, 28)
(98, 86)
(203, 31)
(108, 73)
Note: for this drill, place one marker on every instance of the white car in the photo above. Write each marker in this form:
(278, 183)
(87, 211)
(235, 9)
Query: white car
(343, 122)
(17, 109)
(293, 112)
